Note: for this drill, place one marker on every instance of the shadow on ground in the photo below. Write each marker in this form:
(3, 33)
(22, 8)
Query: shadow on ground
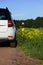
(4, 44)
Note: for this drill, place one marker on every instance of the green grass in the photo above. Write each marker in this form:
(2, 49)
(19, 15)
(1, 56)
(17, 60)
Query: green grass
(31, 41)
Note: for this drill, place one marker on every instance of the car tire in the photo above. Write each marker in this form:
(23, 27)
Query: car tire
(14, 42)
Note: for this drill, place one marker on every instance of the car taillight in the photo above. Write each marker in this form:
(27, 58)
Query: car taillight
(10, 23)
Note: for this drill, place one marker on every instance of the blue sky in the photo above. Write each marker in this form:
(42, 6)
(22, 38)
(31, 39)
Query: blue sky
(23, 9)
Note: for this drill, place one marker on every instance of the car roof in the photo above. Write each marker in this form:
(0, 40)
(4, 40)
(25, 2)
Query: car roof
(4, 10)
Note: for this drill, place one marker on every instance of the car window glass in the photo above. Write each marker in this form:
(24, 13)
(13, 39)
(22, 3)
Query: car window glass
(2, 17)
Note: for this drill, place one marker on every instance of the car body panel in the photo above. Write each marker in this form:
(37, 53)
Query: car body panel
(6, 32)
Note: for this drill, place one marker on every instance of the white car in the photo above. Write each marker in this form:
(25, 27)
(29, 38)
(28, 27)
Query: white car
(7, 27)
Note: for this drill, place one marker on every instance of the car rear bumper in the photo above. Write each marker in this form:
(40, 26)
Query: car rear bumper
(9, 35)
(6, 40)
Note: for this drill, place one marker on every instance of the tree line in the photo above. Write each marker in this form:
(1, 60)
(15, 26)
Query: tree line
(29, 23)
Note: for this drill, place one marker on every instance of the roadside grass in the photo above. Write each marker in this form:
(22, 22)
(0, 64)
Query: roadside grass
(30, 41)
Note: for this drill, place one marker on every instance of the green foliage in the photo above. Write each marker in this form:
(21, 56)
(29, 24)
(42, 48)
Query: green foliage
(30, 23)
(31, 41)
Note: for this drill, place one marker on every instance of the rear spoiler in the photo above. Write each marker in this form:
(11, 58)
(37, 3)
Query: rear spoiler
(8, 10)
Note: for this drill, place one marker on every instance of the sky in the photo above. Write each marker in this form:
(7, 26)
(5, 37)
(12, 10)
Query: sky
(23, 9)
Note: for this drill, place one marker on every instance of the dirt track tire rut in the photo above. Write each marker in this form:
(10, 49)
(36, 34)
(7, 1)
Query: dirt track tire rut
(13, 56)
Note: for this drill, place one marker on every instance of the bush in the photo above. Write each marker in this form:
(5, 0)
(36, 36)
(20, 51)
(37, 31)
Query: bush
(31, 41)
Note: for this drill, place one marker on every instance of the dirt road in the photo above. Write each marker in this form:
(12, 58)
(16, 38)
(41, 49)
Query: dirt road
(13, 56)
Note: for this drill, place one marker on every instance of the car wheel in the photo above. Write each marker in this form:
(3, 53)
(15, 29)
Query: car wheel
(14, 42)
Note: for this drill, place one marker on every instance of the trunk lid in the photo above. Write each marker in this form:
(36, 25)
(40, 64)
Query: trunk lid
(3, 25)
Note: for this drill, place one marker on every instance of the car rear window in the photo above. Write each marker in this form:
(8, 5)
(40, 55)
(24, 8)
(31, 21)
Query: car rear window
(5, 15)
(2, 17)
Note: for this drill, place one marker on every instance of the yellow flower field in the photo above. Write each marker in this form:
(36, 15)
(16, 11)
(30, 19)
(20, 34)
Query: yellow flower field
(31, 41)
